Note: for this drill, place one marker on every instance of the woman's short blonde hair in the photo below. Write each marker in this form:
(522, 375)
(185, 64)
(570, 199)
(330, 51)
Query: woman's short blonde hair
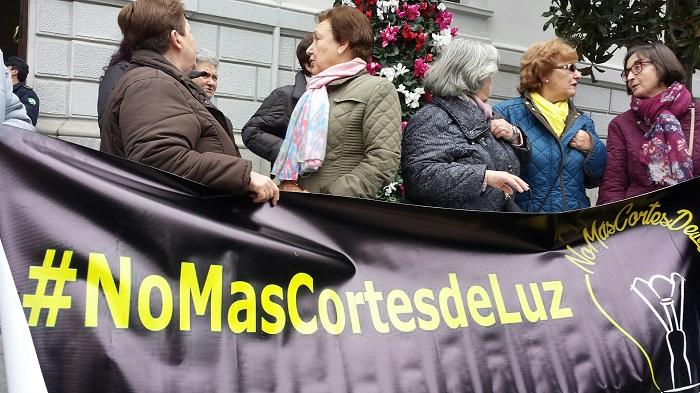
(540, 59)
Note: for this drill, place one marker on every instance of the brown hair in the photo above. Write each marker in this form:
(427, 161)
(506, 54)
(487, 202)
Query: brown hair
(302, 56)
(146, 24)
(668, 68)
(351, 26)
(540, 60)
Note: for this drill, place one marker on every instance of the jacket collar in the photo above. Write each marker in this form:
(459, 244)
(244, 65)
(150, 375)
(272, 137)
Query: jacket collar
(347, 79)
(462, 112)
(299, 85)
(571, 119)
(149, 58)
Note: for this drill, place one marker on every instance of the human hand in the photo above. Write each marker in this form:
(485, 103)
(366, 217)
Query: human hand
(261, 188)
(290, 186)
(582, 141)
(506, 182)
(502, 129)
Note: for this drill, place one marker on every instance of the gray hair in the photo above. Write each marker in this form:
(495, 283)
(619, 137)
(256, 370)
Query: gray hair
(205, 56)
(463, 67)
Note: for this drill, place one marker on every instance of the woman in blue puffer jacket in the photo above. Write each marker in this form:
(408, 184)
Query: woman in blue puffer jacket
(567, 155)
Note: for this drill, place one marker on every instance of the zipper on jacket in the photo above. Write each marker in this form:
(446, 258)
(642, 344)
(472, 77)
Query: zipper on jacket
(560, 175)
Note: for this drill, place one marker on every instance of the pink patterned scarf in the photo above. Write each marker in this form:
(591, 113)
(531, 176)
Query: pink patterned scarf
(304, 146)
(666, 152)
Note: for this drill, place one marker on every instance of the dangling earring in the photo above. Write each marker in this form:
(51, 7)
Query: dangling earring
(546, 81)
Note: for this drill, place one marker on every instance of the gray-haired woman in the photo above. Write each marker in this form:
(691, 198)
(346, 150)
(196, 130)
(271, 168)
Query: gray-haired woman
(455, 154)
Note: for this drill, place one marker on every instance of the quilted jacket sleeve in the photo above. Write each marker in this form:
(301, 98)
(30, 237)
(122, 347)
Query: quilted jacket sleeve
(615, 179)
(163, 133)
(382, 134)
(594, 165)
(264, 133)
(430, 172)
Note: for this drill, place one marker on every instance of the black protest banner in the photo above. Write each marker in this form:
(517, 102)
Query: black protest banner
(133, 280)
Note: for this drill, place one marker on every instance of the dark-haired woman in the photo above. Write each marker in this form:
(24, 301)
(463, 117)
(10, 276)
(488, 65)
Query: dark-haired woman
(648, 146)
(117, 66)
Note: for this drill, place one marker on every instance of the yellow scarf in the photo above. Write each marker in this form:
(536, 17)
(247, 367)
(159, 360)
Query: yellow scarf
(555, 113)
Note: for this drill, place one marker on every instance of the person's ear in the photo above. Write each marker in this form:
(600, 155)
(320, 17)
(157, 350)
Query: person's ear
(174, 39)
(14, 72)
(343, 48)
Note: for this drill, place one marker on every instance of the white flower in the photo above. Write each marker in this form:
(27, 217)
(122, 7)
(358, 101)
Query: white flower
(380, 14)
(348, 2)
(411, 98)
(442, 39)
(441, 7)
(389, 73)
(388, 6)
(390, 188)
(400, 69)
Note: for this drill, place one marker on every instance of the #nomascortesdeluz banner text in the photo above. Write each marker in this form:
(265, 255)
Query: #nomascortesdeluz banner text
(117, 277)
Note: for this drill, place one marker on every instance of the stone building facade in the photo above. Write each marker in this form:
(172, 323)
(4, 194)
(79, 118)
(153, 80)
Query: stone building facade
(69, 43)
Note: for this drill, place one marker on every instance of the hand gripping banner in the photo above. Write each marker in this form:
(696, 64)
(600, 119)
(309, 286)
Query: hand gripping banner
(117, 277)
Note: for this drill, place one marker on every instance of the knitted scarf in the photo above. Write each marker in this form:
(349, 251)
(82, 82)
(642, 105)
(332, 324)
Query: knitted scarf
(665, 153)
(304, 146)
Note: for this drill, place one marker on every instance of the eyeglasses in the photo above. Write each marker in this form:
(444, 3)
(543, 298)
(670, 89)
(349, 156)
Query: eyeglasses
(636, 68)
(571, 67)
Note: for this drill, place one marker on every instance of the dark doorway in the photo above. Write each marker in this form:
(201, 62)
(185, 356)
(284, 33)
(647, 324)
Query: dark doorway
(13, 27)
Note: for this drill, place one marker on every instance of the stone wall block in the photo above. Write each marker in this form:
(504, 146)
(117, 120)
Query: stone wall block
(53, 95)
(288, 56)
(54, 17)
(96, 21)
(592, 98)
(264, 89)
(245, 45)
(619, 101)
(237, 80)
(239, 111)
(285, 78)
(206, 35)
(505, 85)
(601, 121)
(52, 57)
(90, 59)
(83, 97)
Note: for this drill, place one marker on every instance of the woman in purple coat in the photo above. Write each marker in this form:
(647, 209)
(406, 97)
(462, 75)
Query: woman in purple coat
(648, 146)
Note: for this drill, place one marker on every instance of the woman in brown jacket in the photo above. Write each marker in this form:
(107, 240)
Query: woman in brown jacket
(157, 116)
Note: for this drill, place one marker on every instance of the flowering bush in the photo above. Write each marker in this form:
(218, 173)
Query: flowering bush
(407, 37)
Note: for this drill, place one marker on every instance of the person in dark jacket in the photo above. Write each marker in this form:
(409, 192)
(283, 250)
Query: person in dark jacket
(157, 116)
(264, 133)
(567, 154)
(117, 66)
(19, 70)
(455, 153)
(659, 121)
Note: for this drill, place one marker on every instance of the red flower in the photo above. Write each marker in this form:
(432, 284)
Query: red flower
(444, 19)
(420, 40)
(428, 97)
(373, 67)
(420, 67)
(403, 125)
(454, 31)
(428, 58)
(368, 14)
(407, 33)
